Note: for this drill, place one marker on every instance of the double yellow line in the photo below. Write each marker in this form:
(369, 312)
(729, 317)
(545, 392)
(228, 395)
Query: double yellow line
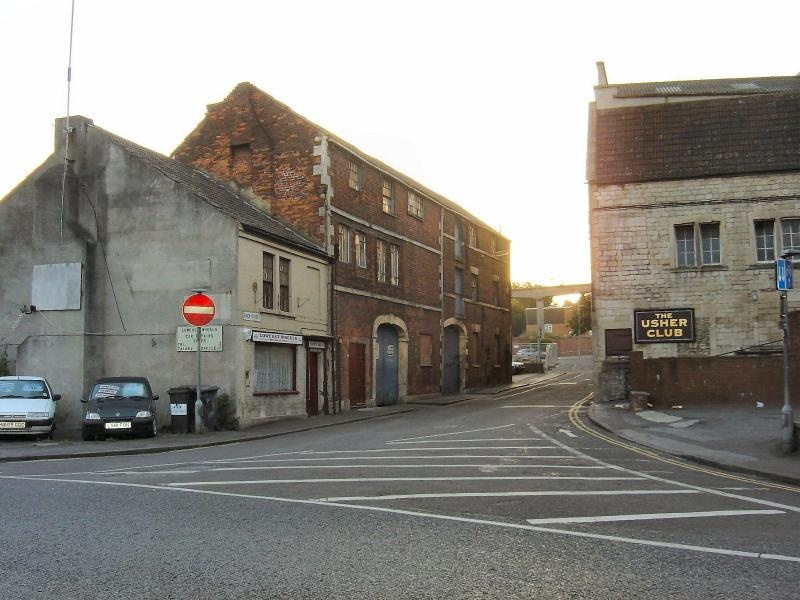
(575, 419)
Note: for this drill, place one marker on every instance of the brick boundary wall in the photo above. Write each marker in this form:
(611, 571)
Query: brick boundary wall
(731, 379)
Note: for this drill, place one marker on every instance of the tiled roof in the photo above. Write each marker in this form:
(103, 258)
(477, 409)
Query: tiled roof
(216, 193)
(730, 136)
(710, 87)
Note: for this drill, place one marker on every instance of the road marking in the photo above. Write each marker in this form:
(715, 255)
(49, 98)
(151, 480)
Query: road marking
(536, 406)
(473, 440)
(503, 494)
(567, 432)
(428, 466)
(573, 416)
(655, 516)
(395, 457)
(421, 437)
(373, 479)
(661, 479)
(424, 515)
(309, 452)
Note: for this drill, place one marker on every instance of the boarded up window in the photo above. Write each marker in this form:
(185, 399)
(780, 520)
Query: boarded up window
(425, 350)
(618, 342)
(241, 162)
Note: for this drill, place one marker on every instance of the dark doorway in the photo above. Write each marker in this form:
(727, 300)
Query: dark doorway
(451, 375)
(386, 368)
(356, 381)
(312, 387)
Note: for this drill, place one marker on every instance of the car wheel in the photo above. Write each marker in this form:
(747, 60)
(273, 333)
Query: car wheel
(87, 437)
(51, 432)
(154, 430)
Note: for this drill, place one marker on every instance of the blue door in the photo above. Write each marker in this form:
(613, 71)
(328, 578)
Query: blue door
(451, 375)
(386, 367)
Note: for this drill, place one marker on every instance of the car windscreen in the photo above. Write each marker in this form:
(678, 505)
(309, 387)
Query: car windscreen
(23, 388)
(119, 389)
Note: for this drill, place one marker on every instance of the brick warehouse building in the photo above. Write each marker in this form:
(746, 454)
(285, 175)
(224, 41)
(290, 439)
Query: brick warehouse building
(421, 291)
(694, 191)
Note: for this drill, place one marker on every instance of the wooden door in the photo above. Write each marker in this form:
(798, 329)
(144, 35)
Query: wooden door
(356, 380)
(312, 386)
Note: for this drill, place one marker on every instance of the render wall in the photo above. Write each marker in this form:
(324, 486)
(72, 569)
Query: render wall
(143, 242)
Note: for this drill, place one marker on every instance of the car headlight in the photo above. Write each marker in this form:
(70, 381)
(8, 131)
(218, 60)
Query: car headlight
(38, 415)
(90, 416)
(144, 414)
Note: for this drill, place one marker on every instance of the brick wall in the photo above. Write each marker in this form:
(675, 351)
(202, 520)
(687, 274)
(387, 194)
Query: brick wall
(280, 157)
(253, 139)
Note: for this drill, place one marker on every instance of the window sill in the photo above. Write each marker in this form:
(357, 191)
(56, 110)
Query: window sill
(427, 366)
(419, 217)
(277, 313)
(699, 268)
(391, 214)
(284, 393)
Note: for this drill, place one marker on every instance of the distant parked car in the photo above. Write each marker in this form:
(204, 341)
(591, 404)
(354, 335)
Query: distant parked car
(27, 406)
(517, 367)
(524, 354)
(120, 406)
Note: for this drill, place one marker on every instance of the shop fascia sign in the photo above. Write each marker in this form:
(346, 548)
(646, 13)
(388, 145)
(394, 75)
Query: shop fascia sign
(275, 338)
(663, 325)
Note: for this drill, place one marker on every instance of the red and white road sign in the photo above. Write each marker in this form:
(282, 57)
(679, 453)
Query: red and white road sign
(198, 310)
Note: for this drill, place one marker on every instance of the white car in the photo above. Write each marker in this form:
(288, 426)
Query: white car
(27, 406)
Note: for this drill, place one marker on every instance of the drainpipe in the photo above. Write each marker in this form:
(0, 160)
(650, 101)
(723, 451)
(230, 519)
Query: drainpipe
(441, 300)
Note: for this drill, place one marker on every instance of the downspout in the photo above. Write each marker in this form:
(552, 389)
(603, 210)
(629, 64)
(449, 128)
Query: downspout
(441, 300)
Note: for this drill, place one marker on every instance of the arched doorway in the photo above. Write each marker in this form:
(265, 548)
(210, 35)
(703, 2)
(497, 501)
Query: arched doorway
(386, 388)
(451, 358)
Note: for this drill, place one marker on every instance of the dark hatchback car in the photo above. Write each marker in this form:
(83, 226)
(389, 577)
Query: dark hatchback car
(120, 406)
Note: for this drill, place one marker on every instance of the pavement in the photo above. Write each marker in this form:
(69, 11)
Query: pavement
(738, 438)
(744, 439)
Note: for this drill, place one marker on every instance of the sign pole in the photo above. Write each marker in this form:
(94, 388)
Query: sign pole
(198, 404)
(198, 310)
(784, 282)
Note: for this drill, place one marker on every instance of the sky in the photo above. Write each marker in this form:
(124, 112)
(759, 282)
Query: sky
(483, 102)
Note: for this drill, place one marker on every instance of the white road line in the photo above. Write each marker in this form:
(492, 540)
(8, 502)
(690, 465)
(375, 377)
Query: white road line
(374, 479)
(424, 515)
(395, 457)
(423, 466)
(422, 437)
(536, 406)
(472, 440)
(655, 516)
(314, 452)
(503, 494)
(713, 491)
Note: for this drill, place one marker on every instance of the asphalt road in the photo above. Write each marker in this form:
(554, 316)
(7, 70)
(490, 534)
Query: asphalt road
(512, 496)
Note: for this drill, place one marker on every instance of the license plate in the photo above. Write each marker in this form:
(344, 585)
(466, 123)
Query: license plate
(119, 425)
(12, 424)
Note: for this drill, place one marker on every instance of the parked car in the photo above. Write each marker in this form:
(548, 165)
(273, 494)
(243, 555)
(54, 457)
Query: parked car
(120, 406)
(524, 354)
(517, 367)
(27, 406)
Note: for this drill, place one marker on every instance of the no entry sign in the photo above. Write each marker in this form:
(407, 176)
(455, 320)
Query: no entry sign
(198, 310)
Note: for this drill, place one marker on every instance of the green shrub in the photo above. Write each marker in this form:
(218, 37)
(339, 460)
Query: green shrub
(4, 370)
(226, 413)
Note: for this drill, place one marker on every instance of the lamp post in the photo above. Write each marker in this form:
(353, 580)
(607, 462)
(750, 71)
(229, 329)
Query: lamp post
(784, 283)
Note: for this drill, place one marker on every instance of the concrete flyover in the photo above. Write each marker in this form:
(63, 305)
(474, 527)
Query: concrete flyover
(540, 293)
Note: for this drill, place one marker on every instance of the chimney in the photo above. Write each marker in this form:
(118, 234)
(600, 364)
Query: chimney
(601, 73)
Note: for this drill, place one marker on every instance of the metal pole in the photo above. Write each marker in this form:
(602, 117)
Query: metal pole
(198, 404)
(579, 327)
(788, 442)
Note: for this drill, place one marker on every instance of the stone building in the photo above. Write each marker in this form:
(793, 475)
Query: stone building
(421, 287)
(97, 258)
(694, 190)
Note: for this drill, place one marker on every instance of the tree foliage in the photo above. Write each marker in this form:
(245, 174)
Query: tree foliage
(584, 313)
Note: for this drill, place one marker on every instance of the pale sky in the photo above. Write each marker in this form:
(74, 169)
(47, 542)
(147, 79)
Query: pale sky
(483, 102)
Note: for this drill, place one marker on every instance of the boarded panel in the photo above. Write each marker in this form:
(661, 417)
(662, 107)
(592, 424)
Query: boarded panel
(56, 286)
